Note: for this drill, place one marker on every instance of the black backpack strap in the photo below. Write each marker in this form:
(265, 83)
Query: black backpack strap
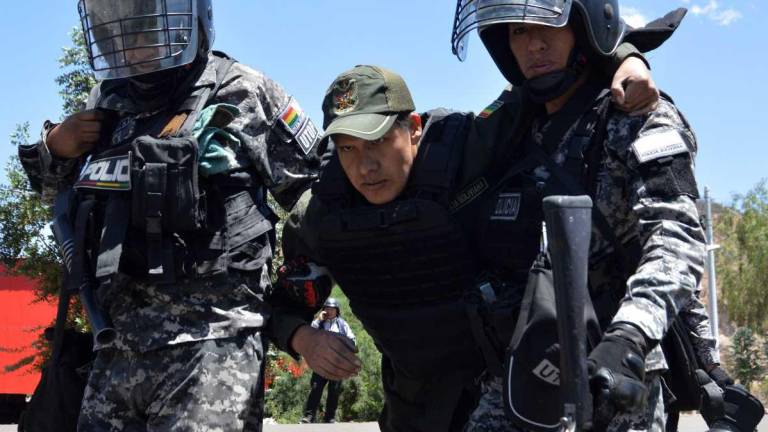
(578, 175)
(205, 95)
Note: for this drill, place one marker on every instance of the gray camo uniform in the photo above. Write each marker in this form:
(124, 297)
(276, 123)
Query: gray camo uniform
(696, 319)
(657, 207)
(189, 356)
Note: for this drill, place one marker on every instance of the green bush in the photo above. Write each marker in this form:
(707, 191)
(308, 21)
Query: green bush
(361, 398)
(745, 357)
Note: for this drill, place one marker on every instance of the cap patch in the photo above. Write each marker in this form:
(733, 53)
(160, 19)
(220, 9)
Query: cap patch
(344, 96)
(490, 109)
(659, 145)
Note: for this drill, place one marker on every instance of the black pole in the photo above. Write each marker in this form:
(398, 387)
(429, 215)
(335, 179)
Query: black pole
(569, 222)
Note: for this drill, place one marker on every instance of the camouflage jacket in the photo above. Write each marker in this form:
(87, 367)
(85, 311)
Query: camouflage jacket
(278, 146)
(655, 206)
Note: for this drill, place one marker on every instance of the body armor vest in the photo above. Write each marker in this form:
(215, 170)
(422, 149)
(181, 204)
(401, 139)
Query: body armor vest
(510, 229)
(155, 218)
(405, 265)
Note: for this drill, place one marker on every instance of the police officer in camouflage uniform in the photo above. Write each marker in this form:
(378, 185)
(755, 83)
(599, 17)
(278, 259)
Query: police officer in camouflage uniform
(379, 220)
(638, 169)
(171, 163)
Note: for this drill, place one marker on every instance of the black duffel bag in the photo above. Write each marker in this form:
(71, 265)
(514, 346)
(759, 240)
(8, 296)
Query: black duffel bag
(56, 401)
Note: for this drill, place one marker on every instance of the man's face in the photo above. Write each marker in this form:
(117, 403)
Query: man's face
(146, 53)
(379, 169)
(540, 49)
(330, 313)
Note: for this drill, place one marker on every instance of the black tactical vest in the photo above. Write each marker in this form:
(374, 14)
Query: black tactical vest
(405, 265)
(509, 231)
(155, 218)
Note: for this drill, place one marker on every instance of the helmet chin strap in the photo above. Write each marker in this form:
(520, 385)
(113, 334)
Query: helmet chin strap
(550, 86)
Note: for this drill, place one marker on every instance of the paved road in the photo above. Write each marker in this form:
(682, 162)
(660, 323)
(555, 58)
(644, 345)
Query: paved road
(688, 423)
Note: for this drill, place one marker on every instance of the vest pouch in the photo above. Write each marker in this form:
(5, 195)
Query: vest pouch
(165, 190)
(247, 241)
(532, 366)
(513, 213)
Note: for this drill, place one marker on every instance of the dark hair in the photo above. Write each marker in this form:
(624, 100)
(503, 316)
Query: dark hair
(403, 120)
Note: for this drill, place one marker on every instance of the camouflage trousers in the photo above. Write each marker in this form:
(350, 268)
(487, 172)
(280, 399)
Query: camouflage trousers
(209, 385)
(489, 416)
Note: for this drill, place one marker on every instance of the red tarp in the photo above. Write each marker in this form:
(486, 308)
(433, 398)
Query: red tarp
(21, 321)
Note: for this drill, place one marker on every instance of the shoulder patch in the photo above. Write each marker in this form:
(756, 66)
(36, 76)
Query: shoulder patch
(659, 145)
(299, 125)
(292, 117)
(490, 109)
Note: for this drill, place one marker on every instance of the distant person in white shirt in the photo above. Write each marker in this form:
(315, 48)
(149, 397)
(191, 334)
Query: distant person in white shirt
(330, 320)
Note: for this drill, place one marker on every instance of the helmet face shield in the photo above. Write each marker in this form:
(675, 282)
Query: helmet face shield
(476, 14)
(134, 37)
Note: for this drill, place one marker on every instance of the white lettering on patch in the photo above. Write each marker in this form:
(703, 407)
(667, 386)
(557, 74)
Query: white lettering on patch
(659, 145)
(547, 372)
(113, 173)
(507, 207)
(307, 137)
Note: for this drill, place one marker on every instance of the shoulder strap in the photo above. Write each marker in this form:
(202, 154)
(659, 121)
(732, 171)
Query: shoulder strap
(332, 188)
(184, 121)
(577, 180)
(499, 171)
(440, 153)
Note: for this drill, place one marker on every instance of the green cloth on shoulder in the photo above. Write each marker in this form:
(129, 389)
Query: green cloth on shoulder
(217, 147)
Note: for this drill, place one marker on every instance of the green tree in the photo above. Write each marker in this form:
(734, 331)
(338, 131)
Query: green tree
(23, 217)
(27, 247)
(743, 260)
(76, 79)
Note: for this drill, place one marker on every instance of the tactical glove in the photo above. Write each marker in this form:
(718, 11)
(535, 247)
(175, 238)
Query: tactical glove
(731, 408)
(617, 371)
(305, 282)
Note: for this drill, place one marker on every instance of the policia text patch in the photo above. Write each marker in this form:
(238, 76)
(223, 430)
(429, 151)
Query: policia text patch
(112, 173)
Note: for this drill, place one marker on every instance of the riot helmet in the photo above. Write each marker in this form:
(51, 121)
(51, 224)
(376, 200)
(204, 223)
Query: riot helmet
(129, 38)
(333, 303)
(597, 26)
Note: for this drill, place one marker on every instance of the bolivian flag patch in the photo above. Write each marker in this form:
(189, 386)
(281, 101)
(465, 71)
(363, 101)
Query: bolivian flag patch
(490, 109)
(293, 117)
(299, 125)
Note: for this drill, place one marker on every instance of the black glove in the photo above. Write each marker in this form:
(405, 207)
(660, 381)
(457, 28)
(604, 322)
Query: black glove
(730, 409)
(305, 282)
(721, 377)
(616, 373)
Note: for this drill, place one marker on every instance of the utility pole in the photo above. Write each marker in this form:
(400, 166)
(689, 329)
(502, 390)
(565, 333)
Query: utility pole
(711, 247)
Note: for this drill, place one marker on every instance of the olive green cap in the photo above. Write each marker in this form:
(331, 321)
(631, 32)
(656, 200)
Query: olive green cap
(364, 102)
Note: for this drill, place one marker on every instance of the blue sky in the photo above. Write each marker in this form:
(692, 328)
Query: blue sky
(714, 67)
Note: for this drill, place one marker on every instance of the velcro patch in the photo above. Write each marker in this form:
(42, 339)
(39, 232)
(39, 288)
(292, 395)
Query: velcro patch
(112, 173)
(659, 145)
(507, 207)
(468, 194)
(307, 136)
(490, 109)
